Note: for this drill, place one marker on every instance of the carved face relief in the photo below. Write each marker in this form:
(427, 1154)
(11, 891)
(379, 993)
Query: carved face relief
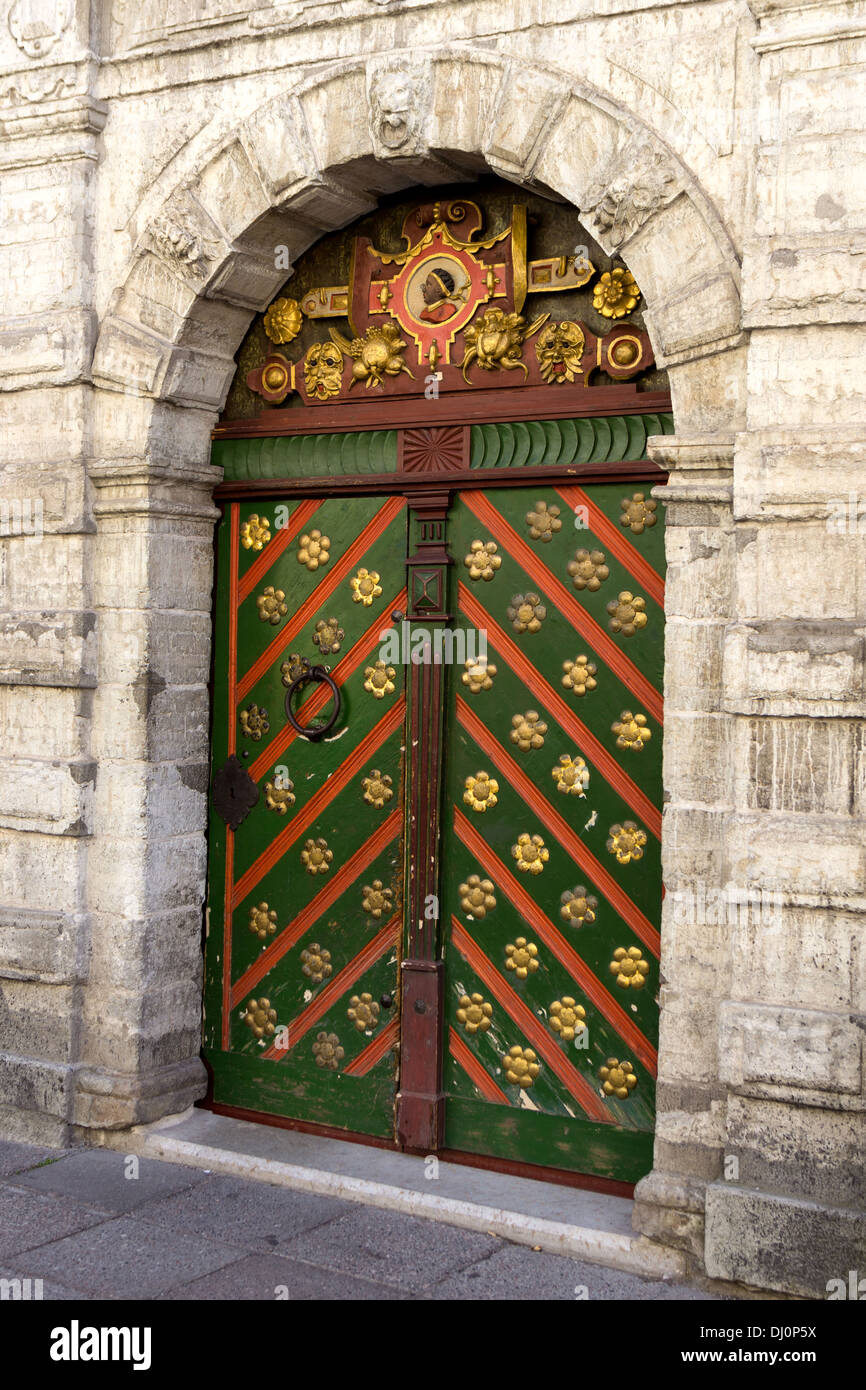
(323, 370)
(559, 351)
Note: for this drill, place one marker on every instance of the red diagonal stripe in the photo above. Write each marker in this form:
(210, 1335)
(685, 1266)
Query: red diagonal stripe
(556, 942)
(587, 742)
(317, 803)
(559, 828)
(374, 1051)
(570, 609)
(614, 540)
(574, 1081)
(275, 547)
(324, 899)
(329, 582)
(384, 939)
(321, 695)
(466, 1059)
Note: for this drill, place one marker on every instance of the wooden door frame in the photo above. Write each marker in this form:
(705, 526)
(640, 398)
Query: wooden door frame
(432, 465)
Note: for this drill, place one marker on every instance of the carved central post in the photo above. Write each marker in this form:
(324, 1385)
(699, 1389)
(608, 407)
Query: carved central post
(421, 1100)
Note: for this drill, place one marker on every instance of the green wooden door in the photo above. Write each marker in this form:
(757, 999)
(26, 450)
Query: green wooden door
(551, 875)
(304, 908)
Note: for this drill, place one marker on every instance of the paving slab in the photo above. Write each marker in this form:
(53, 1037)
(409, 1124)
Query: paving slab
(16, 1158)
(390, 1248)
(125, 1258)
(102, 1177)
(271, 1279)
(45, 1290)
(560, 1219)
(31, 1219)
(253, 1215)
(514, 1272)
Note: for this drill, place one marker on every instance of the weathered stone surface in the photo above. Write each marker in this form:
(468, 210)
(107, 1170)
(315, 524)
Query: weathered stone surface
(133, 251)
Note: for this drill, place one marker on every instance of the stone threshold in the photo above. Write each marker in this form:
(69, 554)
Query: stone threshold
(558, 1220)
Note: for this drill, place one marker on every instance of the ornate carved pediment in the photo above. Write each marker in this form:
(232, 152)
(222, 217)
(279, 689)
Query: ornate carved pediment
(446, 312)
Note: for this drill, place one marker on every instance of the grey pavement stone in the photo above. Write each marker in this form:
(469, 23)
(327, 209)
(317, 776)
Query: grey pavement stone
(258, 1277)
(125, 1258)
(251, 1215)
(98, 1176)
(16, 1158)
(30, 1219)
(49, 1293)
(390, 1247)
(516, 1271)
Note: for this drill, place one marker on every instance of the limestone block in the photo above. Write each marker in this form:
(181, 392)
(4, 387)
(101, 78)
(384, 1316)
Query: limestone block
(794, 280)
(344, 147)
(44, 572)
(800, 570)
(165, 435)
(463, 102)
(709, 393)
(134, 878)
(52, 797)
(690, 1130)
(791, 668)
(693, 845)
(782, 1243)
(34, 1084)
(693, 664)
(703, 314)
(53, 348)
(276, 139)
(164, 648)
(675, 248)
(155, 296)
(819, 187)
(109, 1099)
(37, 869)
(126, 358)
(794, 1048)
(46, 1015)
(142, 954)
(138, 1034)
(152, 801)
(688, 1028)
(806, 376)
(579, 143)
(43, 497)
(800, 853)
(53, 723)
(697, 756)
(700, 574)
(65, 406)
(198, 378)
(528, 103)
(43, 945)
(796, 765)
(230, 191)
(789, 475)
(800, 1151)
(50, 648)
(247, 281)
(800, 956)
(142, 567)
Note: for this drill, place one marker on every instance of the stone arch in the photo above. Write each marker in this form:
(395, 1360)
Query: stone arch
(319, 156)
(310, 161)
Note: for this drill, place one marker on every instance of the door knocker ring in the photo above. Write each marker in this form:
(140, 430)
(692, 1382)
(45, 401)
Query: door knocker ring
(313, 731)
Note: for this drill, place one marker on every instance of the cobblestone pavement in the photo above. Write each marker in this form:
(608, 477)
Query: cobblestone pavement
(90, 1226)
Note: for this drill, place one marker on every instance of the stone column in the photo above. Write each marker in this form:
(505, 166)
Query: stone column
(51, 136)
(695, 963)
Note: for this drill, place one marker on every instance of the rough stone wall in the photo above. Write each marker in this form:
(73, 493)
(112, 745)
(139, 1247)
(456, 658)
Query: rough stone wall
(149, 165)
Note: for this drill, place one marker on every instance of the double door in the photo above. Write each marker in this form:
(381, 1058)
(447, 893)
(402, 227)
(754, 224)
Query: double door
(434, 877)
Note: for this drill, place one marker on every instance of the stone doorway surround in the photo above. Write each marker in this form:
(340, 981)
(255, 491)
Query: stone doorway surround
(758, 1063)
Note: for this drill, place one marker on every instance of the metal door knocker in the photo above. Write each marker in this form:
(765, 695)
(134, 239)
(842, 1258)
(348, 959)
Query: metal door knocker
(313, 731)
